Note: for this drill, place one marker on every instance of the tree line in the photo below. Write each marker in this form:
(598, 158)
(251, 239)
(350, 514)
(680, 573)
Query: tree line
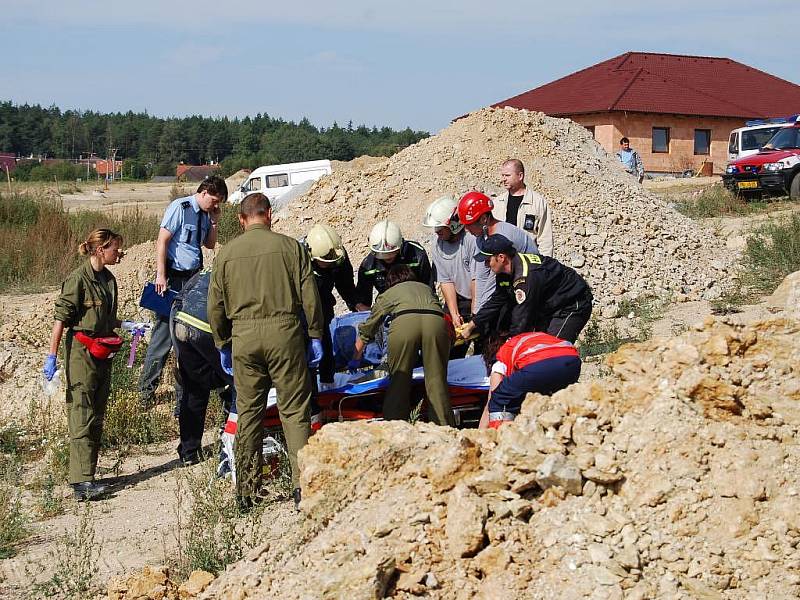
(154, 145)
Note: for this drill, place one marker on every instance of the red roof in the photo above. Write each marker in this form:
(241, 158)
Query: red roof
(665, 83)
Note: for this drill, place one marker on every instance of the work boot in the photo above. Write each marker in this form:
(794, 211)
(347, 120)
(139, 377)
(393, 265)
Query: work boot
(297, 498)
(88, 490)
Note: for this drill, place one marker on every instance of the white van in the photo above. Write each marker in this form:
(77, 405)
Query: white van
(748, 140)
(275, 180)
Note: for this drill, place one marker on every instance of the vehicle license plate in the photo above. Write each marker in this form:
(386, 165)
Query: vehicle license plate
(747, 185)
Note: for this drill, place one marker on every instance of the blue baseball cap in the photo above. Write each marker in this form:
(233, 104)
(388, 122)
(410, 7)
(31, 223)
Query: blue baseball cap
(493, 244)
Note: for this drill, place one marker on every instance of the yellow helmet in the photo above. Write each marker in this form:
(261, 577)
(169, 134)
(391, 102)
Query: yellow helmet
(324, 244)
(385, 238)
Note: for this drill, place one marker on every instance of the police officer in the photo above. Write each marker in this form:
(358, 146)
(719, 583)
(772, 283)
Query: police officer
(543, 294)
(332, 270)
(387, 248)
(87, 309)
(452, 251)
(417, 325)
(188, 224)
(262, 282)
(199, 369)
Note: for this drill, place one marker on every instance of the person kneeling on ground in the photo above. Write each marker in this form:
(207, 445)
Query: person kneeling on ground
(529, 362)
(417, 324)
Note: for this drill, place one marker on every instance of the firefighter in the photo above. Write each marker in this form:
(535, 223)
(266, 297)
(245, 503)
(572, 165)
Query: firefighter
(529, 362)
(541, 293)
(416, 325)
(199, 369)
(387, 248)
(332, 269)
(261, 285)
(452, 251)
(87, 310)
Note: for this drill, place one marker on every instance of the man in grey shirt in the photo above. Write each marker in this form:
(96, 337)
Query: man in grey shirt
(475, 212)
(453, 251)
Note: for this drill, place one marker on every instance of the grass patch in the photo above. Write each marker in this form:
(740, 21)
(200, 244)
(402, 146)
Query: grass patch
(13, 520)
(211, 531)
(27, 219)
(772, 252)
(598, 339)
(716, 201)
(74, 559)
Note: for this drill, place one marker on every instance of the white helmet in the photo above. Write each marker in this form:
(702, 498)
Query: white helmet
(324, 244)
(441, 214)
(385, 238)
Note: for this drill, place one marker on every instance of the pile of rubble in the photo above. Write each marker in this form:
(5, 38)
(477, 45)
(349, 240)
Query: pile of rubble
(626, 241)
(677, 476)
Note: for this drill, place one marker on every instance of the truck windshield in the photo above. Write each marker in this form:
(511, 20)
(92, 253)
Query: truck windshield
(755, 139)
(787, 137)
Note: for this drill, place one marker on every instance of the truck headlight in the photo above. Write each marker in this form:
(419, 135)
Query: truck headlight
(730, 169)
(773, 166)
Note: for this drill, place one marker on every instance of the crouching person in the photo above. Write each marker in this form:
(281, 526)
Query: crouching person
(529, 362)
(417, 325)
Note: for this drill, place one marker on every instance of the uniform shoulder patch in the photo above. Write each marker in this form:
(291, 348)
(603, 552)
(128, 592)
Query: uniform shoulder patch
(186, 204)
(519, 294)
(519, 281)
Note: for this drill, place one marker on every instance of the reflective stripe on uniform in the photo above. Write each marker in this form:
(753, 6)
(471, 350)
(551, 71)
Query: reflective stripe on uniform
(372, 272)
(193, 321)
(528, 259)
(536, 348)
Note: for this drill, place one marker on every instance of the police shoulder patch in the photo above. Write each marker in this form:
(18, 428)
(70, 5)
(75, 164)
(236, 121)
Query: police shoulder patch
(519, 281)
(519, 294)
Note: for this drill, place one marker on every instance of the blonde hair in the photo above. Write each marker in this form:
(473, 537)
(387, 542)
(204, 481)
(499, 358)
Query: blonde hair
(99, 238)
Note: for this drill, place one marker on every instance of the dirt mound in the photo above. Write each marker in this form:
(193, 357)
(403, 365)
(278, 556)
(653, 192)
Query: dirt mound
(237, 179)
(623, 239)
(674, 477)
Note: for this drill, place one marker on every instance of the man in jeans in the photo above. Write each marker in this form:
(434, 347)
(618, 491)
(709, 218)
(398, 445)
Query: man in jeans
(188, 224)
(630, 159)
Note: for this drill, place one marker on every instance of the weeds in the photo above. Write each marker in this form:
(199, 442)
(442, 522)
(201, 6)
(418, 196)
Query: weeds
(35, 231)
(13, 521)
(211, 531)
(75, 559)
(601, 340)
(228, 226)
(178, 191)
(715, 201)
(772, 252)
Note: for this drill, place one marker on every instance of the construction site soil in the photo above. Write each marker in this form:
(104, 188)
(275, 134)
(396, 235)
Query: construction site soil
(673, 476)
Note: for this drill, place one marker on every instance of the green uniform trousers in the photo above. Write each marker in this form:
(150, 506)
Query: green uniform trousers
(269, 352)
(88, 387)
(408, 334)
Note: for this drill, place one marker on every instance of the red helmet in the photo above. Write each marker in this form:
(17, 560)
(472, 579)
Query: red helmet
(472, 205)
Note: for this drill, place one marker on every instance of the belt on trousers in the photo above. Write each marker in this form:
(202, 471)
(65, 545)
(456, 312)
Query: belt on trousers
(413, 311)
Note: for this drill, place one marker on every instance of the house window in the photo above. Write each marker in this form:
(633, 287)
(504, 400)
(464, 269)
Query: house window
(274, 181)
(591, 130)
(661, 140)
(702, 141)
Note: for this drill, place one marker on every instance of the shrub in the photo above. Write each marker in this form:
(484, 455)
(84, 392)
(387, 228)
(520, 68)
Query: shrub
(772, 252)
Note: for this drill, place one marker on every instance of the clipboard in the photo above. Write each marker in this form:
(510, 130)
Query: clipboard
(159, 304)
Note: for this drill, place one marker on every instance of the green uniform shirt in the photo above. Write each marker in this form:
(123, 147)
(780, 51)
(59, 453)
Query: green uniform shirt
(262, 275)
(88, 301)
(409, 295)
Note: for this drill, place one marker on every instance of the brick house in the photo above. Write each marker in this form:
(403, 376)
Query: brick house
(194, 173)
(678, 111)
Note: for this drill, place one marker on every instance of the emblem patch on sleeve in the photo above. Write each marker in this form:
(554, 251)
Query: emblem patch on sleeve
(519, 295)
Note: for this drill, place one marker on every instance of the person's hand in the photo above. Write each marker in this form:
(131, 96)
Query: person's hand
(314, 352)
(360, 307)
(50, 367)
(226, 360)
(457, 320)
(161, 283)
(354, 365)
(214, 213)
(466, 330)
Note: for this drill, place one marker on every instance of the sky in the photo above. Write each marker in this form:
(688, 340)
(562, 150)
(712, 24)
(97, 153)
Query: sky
(406, 63)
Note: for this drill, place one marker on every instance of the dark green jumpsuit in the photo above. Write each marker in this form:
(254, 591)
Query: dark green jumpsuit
(417, 325)
(262, 281)
(88, 303)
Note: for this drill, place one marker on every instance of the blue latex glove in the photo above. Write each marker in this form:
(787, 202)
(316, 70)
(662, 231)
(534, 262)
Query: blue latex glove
(50, 367)
(226, 360)
(314, 353)
(353, 365)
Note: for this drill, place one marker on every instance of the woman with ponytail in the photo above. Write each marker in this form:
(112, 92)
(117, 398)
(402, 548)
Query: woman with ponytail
(87, 310)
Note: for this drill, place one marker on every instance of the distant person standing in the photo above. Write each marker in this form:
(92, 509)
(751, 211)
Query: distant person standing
(523, 207)
(630, 159)
(189, 224)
